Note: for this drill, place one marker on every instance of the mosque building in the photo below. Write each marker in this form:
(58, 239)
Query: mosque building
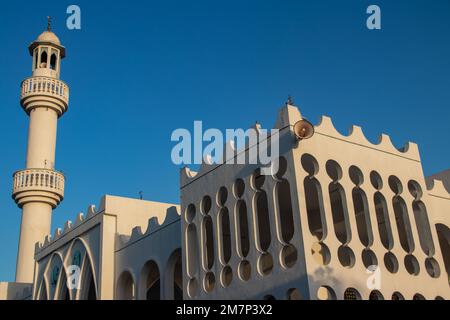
(341, 218)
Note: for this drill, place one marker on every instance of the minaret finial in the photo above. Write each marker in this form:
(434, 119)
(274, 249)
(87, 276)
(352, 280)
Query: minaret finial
(290, 101)
(49, 23)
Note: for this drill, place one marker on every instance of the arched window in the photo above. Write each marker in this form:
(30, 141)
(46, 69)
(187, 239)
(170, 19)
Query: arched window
(125, 287)
(88, 288)
(283, 195)
(63, 291)
(242, 218)
(43, 292)
(397, 296)
(384, 225)
(208, 244)
(376, 295)
(314, 207)
(53, 61)
(178, 279)
(352, 294)
(285, 210)
(443, 233)
(362, 216)
(339, 212)
(423, 227)
(224, 220)
(403, 224)
(43, 62)
(262, 211)
(151, 276)
(192, 250)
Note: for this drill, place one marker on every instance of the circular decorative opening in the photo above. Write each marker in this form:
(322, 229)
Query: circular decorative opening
(418, 296)
(321, 253)
(415, 189)
(334, 170)
(190, 213)
(369, 259)
(356, 175)
(192, 287)
(439, 298)
(265, 264)
(375, 180)
(376, 295)
(282, 168)
(244, 270)
(294, 294)
(352, 294)
(432, 267)
(346, 256)
(222, 196)
(397, 296)
(289, 256)
(239, 188)
(391, 262)
(258, 179)
(412, 265)
(395, 185)
(206, 204)
(326, 293)
(209, 282)
(226, 276)
(309, 164)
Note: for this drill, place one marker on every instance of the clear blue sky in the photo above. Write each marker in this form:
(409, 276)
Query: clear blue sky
(140, 69)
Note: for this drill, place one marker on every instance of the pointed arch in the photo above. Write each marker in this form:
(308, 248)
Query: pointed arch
(88, 288)
(43, 59)
(62, 291)
(53, 60)
(42, 292)
(125, 288)
(52, 273)
(151, 280)
(88, 281)
(173, 277)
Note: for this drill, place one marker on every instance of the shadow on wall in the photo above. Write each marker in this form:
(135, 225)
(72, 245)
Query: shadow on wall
(319, 291)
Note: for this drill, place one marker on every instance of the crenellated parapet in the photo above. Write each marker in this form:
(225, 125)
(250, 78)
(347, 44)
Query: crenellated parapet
(69, 226)
(437, 189)
(357, 136)
(287, 117)
(154, 225)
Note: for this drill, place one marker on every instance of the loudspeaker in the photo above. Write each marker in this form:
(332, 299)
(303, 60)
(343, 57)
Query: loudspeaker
(303, 129)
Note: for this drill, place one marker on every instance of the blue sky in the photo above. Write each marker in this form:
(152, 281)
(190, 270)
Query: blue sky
(140, 69)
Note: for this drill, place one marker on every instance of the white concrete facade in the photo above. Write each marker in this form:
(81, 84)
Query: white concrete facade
(338, 205)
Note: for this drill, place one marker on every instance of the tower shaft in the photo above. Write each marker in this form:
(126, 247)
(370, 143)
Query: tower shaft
(39, 188)
(35, 225)
(42, 138)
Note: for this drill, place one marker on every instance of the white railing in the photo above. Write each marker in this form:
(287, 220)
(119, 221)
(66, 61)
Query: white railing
(46, 86)
(38, 179)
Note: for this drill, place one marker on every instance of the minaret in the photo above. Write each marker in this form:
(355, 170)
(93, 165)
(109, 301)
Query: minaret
(39, 188)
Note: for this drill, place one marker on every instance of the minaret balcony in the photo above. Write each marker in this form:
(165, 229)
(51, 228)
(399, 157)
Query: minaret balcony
(44, 92)
(38, 185)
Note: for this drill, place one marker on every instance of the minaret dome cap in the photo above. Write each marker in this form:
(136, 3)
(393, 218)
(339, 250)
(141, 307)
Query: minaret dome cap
(48, 36)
